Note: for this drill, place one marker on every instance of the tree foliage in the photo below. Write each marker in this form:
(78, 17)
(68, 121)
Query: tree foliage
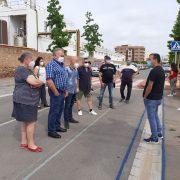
(91, 34)
(175, 35)
(56, 22)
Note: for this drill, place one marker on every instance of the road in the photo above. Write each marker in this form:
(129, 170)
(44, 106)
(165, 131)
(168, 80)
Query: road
(91, 150)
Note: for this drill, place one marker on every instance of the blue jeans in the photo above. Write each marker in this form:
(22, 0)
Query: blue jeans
(102, 90)
(152, 113)
(69, 102)
(55, 111)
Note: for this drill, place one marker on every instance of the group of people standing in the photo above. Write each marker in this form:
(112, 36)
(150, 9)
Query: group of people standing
(67, 85)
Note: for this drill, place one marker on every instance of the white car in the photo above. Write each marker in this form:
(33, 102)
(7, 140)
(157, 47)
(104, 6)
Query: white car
(166, 68)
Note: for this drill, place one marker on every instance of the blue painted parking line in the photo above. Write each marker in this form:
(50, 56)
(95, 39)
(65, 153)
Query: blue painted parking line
(128, 151)
(163, 170)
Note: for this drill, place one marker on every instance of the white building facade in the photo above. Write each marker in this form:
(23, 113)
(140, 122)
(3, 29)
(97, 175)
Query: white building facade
(23, 23)
(22, 20)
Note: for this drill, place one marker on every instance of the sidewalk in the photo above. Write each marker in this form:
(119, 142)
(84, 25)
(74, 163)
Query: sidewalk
(6, 86)
(148, 160)
(172, 127)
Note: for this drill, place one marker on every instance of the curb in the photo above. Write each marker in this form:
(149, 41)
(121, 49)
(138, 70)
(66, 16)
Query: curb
(147, 164)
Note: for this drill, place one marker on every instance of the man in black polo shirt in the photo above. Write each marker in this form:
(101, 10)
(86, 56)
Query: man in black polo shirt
(85, 75)
(107, 75)
(153, 94)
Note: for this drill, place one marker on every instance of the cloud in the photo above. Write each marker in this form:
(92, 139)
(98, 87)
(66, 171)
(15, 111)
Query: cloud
(137, 22)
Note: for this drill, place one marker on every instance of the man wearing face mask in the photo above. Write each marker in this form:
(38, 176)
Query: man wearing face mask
(57, 79)
(85, 75)
(153, 94)
(72, 90)
(107, 75)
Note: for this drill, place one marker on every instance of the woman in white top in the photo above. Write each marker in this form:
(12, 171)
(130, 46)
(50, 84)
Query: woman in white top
(40, 72)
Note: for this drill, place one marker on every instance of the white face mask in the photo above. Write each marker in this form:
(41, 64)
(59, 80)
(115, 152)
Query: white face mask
(86, 64)
(61, 59)
(31, 65)
(76, 65)
(41, 63)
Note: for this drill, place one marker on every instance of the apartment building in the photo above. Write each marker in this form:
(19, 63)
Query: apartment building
(132, 53)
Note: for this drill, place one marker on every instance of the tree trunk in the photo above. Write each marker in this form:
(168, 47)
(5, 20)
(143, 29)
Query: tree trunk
(91, 54)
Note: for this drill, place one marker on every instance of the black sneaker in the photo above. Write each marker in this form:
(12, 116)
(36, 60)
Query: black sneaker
(54, 135)
(160, 136)
(126, 101)
(100, 107)
(111, 106)
(151, 140)
(121, 100)
(73, 121)
(66, 125)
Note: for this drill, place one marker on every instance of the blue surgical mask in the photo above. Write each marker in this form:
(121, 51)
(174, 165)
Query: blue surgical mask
(149, 64)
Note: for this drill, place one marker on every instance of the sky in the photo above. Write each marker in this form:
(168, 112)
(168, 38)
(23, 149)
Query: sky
(135, 22)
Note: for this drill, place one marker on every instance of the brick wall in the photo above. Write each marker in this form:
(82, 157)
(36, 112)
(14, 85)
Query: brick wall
(9, 58)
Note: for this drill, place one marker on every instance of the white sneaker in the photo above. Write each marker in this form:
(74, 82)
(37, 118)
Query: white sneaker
(174, 93)
(93, 112)
(170, 95)
(80, 113)
(178, 109)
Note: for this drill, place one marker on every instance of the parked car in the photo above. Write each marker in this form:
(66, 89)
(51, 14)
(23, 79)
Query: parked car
(95, 69)
(167, 69)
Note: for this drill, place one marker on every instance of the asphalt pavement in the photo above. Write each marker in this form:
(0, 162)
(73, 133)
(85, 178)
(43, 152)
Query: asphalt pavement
(91, 150)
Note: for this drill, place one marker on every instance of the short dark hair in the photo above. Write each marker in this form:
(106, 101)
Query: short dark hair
(23, 56)
(107, 57)
(174, 67)
(156, 56)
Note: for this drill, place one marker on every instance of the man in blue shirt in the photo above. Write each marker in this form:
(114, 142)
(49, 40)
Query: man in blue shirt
(72, 90)
(127, 73)
(57, 79)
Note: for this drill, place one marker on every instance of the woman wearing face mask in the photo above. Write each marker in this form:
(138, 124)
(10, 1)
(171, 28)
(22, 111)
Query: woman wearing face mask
(40, 72)
(25, 101)
(173, 79)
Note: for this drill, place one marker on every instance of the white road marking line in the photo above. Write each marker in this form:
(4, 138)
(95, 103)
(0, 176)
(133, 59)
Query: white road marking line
(64, 147)
(13, 120)
(138, 82)
(6, 95)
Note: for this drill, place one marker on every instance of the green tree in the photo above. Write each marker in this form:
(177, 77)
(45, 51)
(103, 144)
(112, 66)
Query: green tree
(55, 21)
(91, 34)
(175, 35)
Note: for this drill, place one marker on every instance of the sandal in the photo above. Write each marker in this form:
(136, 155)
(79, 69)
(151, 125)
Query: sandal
(38, 149)
(23, 145)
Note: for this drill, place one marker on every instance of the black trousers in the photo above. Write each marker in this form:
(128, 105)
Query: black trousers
(43, 94)
(129, 89)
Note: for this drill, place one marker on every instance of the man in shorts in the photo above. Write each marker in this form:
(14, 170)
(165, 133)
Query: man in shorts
(85, 75)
